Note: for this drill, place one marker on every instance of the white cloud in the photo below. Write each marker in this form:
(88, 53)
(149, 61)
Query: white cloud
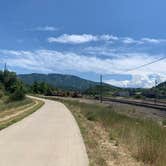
(54, 61)
(107, 37)
(84, 38)
(138, 81)
(77, 62)
(46, 28)
(128, 40)
(79, 39)
(73, 39)
(151, 40)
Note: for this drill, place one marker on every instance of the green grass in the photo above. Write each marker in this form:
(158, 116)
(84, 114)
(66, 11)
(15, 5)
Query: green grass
(9, 105)
(145, 139)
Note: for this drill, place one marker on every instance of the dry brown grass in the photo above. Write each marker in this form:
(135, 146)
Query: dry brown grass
(11, 115)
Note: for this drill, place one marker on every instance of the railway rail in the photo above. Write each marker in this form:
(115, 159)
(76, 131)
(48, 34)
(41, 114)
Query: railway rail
(146, 103)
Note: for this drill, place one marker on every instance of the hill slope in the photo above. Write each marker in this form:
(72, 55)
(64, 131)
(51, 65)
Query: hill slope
(67, 82)
(156, 92)
(161, 90)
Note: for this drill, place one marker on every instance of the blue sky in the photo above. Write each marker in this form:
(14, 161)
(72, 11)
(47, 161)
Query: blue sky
(86, 38)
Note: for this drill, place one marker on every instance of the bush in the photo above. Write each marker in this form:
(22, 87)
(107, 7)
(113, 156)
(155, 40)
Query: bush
(164, 122)
(17, 95)
(138, 96)
(18, 91)
(11, 88)
(1, 94)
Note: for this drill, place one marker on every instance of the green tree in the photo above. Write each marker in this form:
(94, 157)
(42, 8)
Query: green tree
(35, 87)
(18, 91)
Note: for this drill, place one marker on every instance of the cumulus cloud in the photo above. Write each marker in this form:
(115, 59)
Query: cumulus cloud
(79, 39)
(73, 39)
(138, 81)
(85, 38)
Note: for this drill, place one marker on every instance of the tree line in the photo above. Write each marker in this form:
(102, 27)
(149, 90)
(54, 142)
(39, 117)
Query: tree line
(11, 86)
(14, 89)
(41, 88)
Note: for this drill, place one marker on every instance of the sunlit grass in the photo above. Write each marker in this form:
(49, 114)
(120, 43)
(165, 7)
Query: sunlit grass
(16, 111)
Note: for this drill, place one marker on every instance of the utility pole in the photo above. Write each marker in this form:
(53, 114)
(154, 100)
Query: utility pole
(101, 88)
(156, 82)
(5, 67)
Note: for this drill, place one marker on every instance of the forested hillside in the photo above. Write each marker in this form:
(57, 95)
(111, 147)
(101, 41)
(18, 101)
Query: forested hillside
(66, 82)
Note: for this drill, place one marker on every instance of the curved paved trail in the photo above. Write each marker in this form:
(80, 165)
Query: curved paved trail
(48, 137)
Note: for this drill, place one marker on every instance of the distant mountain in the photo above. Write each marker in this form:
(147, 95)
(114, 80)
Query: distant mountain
(66, 82)
(159, 91)
(161, 86)
(106, 90)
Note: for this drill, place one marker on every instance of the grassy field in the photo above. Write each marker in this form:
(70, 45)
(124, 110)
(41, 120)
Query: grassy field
(103, 129)
(14, 111)
(8, 105)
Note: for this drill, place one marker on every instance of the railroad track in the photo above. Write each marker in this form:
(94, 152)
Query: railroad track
(149, 104)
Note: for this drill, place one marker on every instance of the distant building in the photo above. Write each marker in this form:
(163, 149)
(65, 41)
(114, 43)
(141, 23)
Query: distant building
(123, 93)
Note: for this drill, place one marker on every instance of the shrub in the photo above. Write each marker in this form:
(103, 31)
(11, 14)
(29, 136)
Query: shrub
(164, 122)
(18, 92)
(17, 95)
(1, 94)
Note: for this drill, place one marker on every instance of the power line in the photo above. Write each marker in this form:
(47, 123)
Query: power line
(146, 64)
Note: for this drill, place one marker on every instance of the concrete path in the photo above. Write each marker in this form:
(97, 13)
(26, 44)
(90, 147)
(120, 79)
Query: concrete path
(48, 137)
